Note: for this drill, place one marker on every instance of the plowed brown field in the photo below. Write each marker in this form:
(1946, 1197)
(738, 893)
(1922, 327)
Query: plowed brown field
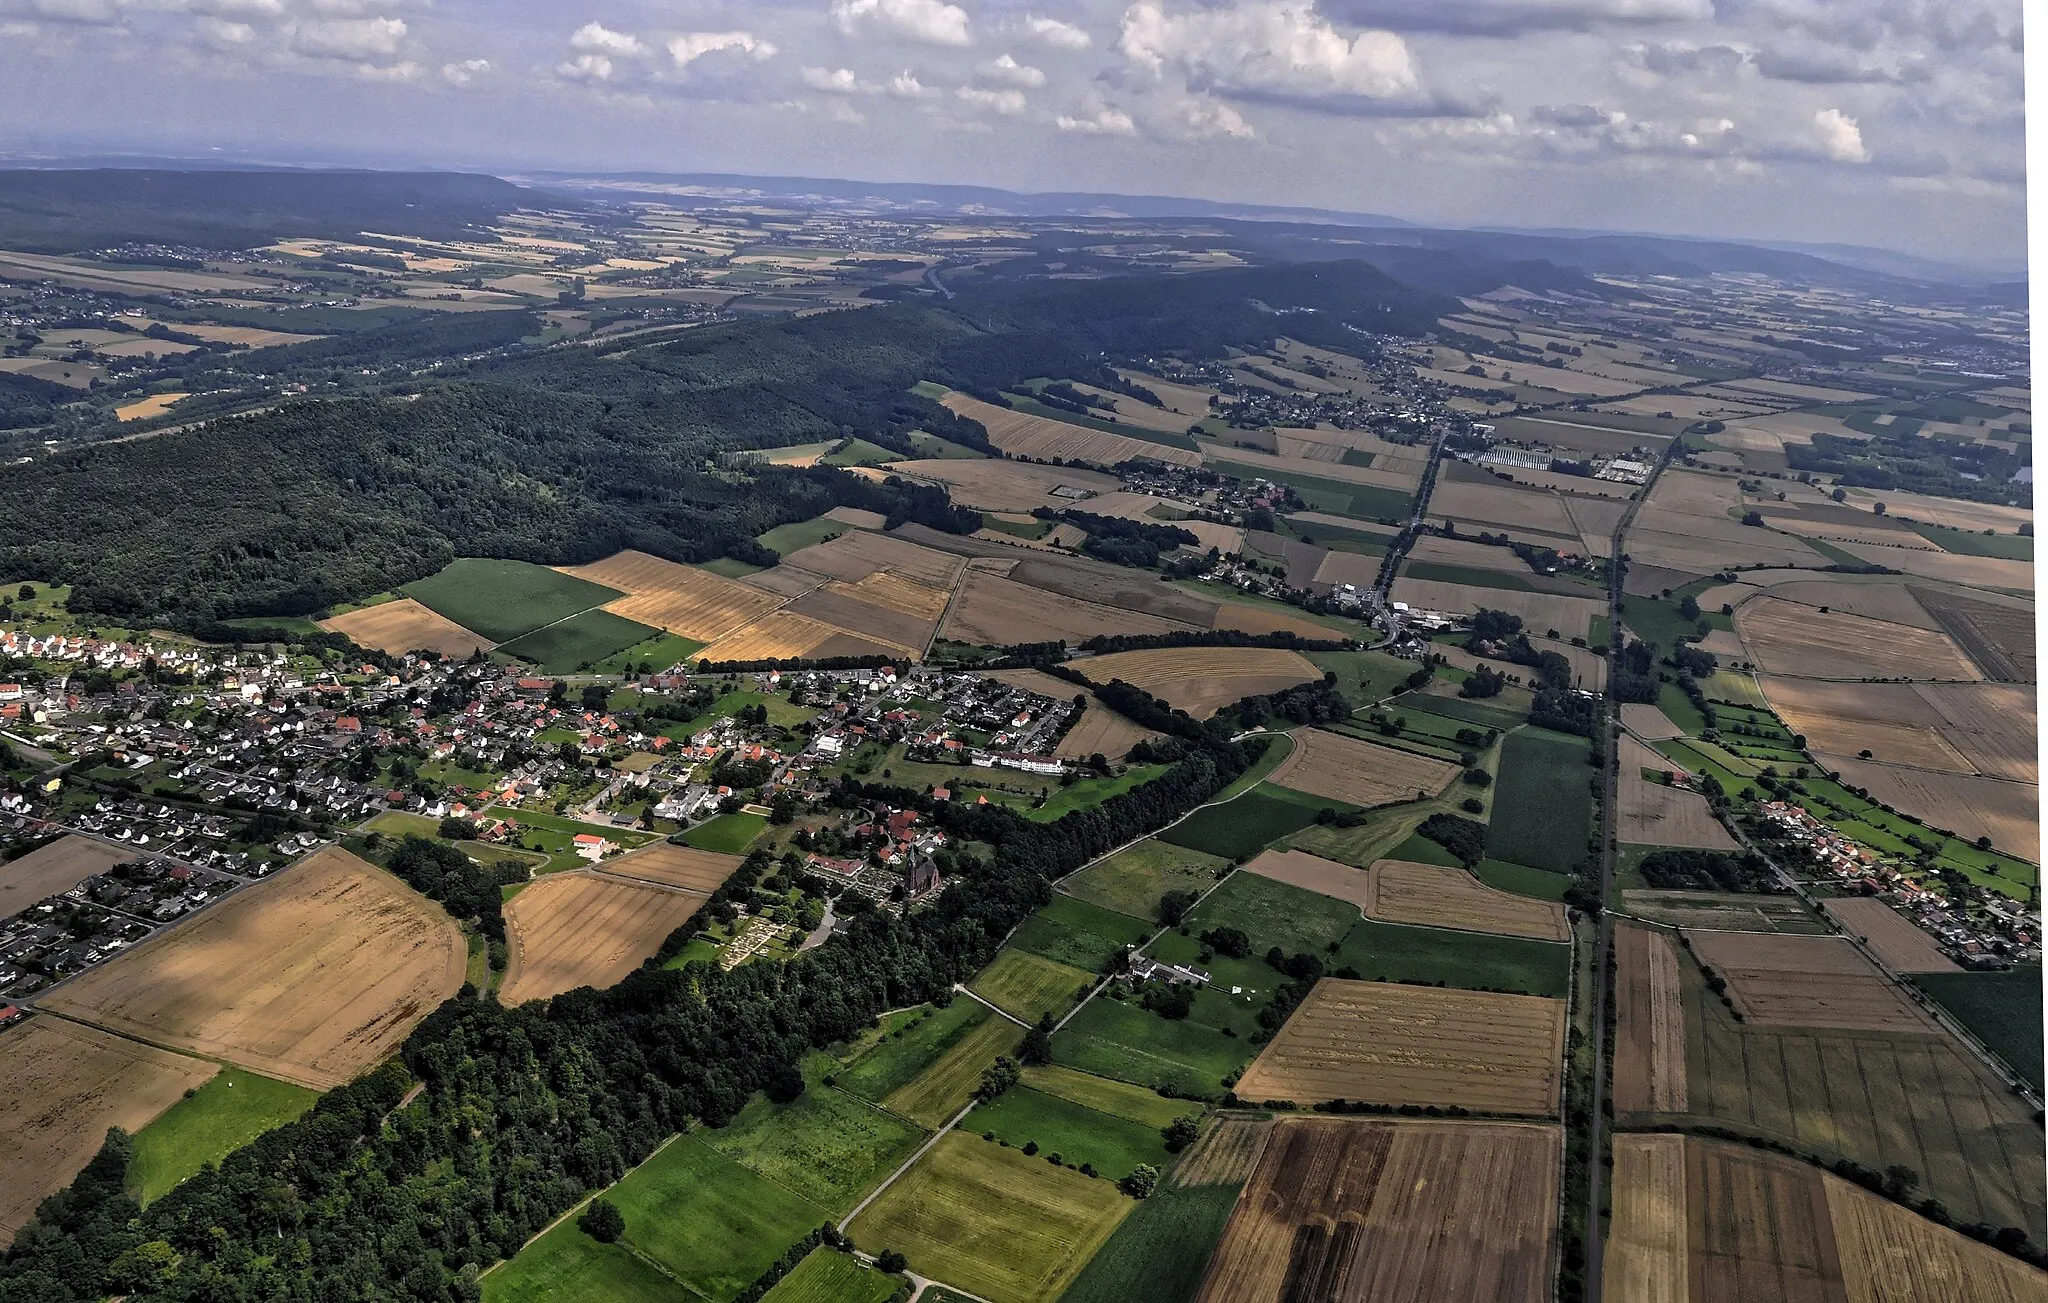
(1363, 773)
(406, 626)
(1649, 1013)
(1652, 814)
(1348, 1211)
(1787, 638)
(582, 929)
(1797, 981)
(998, 612)
(1387, 1043)
(311, 976)
(681, 599)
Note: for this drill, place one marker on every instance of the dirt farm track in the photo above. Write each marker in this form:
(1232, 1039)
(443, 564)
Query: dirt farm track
(312, 976)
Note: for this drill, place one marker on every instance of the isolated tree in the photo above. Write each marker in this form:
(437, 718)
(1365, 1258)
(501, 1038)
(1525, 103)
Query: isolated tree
(602, 1221)
(1180, 1133)
(1001, 1075)
(1142, 1181)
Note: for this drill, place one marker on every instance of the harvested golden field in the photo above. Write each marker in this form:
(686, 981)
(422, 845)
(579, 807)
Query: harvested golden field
(856, 555)
(684, 600)
(837, 605)
(1497, 505)
(406, 626)
(1314, 873)
(1225, 1154)
(54, 869)
(1802, 981)
(61, 1087)
(1646, 721)
(1646, 1256)
(1902, 946)
(991, 485)
(1350, 1211)
(575, 929)
(889, 589)
(1433, 896)
(1363, 773)
(1200, 680)
(1891, 720)
(1997, 632)
(786, 580)
(1970, 807)
(312, 976)
(669, 865)
(1649, 1023)
(785, 635)
(1247, 463)
(857, 517)
(1994, 725)
(1759, 1227)
(1787, 638)
(1652, 814)
(144, 408)
(1464, 552)
(1889, 600)
(1571, 617)
(1021, 434)
(1975, 571)
(993, 611)
(1388, 1043)
(1264, 619)
(1146, 509)
(1890, 1254)
(1354, 568)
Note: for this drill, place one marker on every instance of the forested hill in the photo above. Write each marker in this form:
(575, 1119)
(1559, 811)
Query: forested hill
(566, 454)
(68, 210)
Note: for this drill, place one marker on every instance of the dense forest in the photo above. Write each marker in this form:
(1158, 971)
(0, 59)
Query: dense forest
(565, 455)
(526, 1110)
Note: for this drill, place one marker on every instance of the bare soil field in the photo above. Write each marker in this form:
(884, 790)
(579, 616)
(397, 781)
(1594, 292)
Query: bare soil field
(61, 1087)
(1786, 638)
(1388, 1043)
(1759, 1228)
(1998, 634)
(669, 865)
(1974, 571)
(1314, 873)
(1797, 981)
(1652, 814)
(1970, 807)
(1352, 1211)
(785, 580)
(575, 929)
(857, 518)
(406, 626)
(54, 869)
(1645, 720)
(1649, 1048)
(1363, 773)
(1264, 619)
(837, 605)
(1993, 724)
(684, 600)
(1495, 505)
(1225, 1154)
(1646, 1255)
(991, 485)
(1897, 942)
(1341, 522)
(856, 555)
(1022, 434)
(1354, 568)
(311, 976)
(1200, 680)
(144, 408)
(999, 612)
(1960, 728)
(889, 589)
(1572, 617)
(1890, 1254)
(1433, 896)
(1464, 552)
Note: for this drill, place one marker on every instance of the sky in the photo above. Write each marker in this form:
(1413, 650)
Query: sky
(1891, 123)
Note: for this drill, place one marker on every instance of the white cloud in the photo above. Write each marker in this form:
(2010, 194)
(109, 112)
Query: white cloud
(1200, 118)
(1279, 49)
(585, 67)
(350, 38)
(406, 71)
(85, 13)
(932, 22)
(1058, 35)
(222, 34)
(1840, 138)
(833, 81)
(1008, 72)
(599, 39)
(906, 86)
(692, 46)
(1102, 122)
(465, 71)
(1009, 103)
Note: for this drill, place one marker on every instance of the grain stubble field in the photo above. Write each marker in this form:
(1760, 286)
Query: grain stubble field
(584, 929)
(1361, 773)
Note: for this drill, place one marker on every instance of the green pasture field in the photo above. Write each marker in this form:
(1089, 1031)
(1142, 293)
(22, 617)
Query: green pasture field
(1475, 961)
(658, 653)
(859, 452)
(794, 537)
(1361, 542)
(1009, 1227)
(1132, 880)
(1519, 878)
(1161, 1250)
(1421, 850)
(730, 567)
(780, 712)
(297, 624)
(1025, 985)
(1247, 824)
(731, 833)
(1459, 710)
(550, 835)
(2012, 547)
(1116, 1098)
(578, 643)
(937, 449)
(211, 1122)
(831, 1146)
(1077, 933)
(1034, 529)
(503, 599)
(1364, 677)
(1115, 1038)
(829, 1276)
(1875, 1098)
(1113, 1146)
(2003, 1010)
(564, 1263)
(1274, 914)
(905, 1045)
(397, 823)
(1409, 741)
(931, 1098)
(1091, 792)
(1657, 621)
(1543, 801)
(1678, 708)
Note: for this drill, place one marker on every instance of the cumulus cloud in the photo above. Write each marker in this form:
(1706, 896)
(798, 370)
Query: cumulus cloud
(692, 46)
(355, 39)
(833, 81)
(596, 38)
(1200, 118)
(585, 68)
(1269, 49)
(1102, 122)
(1841, 139)
(1006, 71)
(1514, 17)
(464, 72)
(1052, 32)
(1009, 103)
(932, 22)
